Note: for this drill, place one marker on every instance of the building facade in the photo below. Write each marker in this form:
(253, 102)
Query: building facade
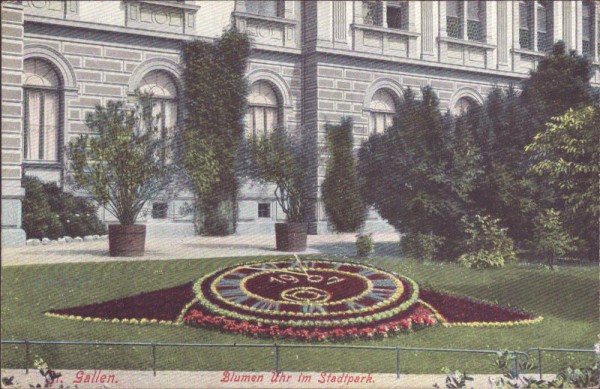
(312, 63)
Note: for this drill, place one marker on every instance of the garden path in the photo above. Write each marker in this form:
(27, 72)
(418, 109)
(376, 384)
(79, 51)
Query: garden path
(190, 247)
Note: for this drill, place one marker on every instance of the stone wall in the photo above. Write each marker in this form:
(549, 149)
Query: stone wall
(12, 123)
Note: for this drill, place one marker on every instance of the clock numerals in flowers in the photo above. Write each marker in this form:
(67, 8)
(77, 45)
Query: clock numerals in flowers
(320, 293)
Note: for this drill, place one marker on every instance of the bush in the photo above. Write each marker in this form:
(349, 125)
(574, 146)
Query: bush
(48, 212)
(487, 245)
(421, 247)
(364, 245)
(39, 219)
(343, 203)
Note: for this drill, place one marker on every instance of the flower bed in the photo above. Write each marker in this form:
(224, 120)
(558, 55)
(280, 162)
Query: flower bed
(314, 300)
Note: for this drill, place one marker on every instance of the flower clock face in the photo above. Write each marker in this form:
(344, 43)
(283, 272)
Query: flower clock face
(313, 299)
(323, 292)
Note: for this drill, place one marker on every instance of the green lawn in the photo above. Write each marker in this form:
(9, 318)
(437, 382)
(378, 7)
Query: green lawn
(567, 298)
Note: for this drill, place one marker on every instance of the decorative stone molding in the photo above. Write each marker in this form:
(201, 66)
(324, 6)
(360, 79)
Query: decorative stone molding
(68, 9)
(383, 83)
(279, 84)
(268, 30)
(386, 41)
(62, 64)
(465, 52)
(146, 67)
(468, 92)
(165, 16)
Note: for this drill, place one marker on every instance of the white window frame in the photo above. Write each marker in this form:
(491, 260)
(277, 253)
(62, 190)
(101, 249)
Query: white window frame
(464, 19)
(533, 9)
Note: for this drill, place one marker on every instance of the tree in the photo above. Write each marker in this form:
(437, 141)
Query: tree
(277, 158)
(215, 96)
(344, 206)
(418, 173)
(125, 163)
(549, 237)
(567, 155)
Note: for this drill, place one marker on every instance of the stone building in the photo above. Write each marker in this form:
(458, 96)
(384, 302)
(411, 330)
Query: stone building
(312, 62)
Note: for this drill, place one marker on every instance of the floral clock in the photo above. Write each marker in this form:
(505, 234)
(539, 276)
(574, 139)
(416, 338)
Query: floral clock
(314, 299)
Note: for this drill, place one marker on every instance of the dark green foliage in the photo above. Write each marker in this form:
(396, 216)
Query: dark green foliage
(418, 173)
(277, 158)
(567, 156)
(215, 97)
(48, 212)
(125, 163)
(344, 206)
(364, 245)
(421, 247)
(506, 124)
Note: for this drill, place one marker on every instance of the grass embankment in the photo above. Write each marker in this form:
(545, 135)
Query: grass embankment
(566, 298)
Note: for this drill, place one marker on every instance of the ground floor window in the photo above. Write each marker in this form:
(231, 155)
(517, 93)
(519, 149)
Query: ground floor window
(160, 210)
(264, 210)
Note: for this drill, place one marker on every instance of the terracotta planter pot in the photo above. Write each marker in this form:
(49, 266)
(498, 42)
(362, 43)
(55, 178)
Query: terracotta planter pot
(291, 236)
(126, 241)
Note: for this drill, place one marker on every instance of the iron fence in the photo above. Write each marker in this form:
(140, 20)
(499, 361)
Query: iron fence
(539, 352)
(520, 358)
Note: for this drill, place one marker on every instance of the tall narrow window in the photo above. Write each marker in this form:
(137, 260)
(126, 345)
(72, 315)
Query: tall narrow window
(263, 109)
(372, 12)
(454, 17)
(272, 8)
(41, 87)
(397, 14)
(587, 33)
(544, 26)
(525, 25)
(475, 18)
(383, 108)
(164, 98)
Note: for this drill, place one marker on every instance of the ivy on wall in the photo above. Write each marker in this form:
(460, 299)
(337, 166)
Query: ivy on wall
(215, 99)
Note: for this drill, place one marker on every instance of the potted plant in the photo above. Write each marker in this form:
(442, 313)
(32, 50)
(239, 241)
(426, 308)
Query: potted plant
(122, 165)
(278, 159)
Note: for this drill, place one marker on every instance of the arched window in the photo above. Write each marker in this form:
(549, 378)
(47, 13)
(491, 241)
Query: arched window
(164, 98)
(383, 108)
(263, 109)
(41, 86)
(463, 105)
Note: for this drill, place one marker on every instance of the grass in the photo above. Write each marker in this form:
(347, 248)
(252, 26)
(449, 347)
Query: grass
(567, 298)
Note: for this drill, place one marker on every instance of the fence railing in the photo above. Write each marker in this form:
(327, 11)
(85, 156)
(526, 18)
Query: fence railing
(539, 352)
(520, 358)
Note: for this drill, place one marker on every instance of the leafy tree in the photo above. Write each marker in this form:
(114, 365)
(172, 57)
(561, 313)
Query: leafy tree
(277, 158)
(215, 95)
(567, 155)
(39, 219)
(344, 206)
(418, 173)
(487, 245)
(124, 163)
(550, 238)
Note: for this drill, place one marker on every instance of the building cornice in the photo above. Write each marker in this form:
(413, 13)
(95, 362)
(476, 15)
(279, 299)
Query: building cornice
(109, 28)
(417, 62)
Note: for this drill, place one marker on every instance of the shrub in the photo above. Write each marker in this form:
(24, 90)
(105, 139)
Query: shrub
(364, 245)
(343, 202)
(487, 245)
(39, 219)
(550, 238)
(421, 247)
(48, 212)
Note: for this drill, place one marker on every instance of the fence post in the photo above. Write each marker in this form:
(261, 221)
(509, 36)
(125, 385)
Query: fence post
(26, 357)
(540, 362)
(516, 364)
(154, 359)
(397, 362)
(276, 358)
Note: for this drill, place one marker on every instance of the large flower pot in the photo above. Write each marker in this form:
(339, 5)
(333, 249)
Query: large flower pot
(291, 236)
(126, 241)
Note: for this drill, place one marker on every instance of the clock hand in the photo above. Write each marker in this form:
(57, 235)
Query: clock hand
(300, 263)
